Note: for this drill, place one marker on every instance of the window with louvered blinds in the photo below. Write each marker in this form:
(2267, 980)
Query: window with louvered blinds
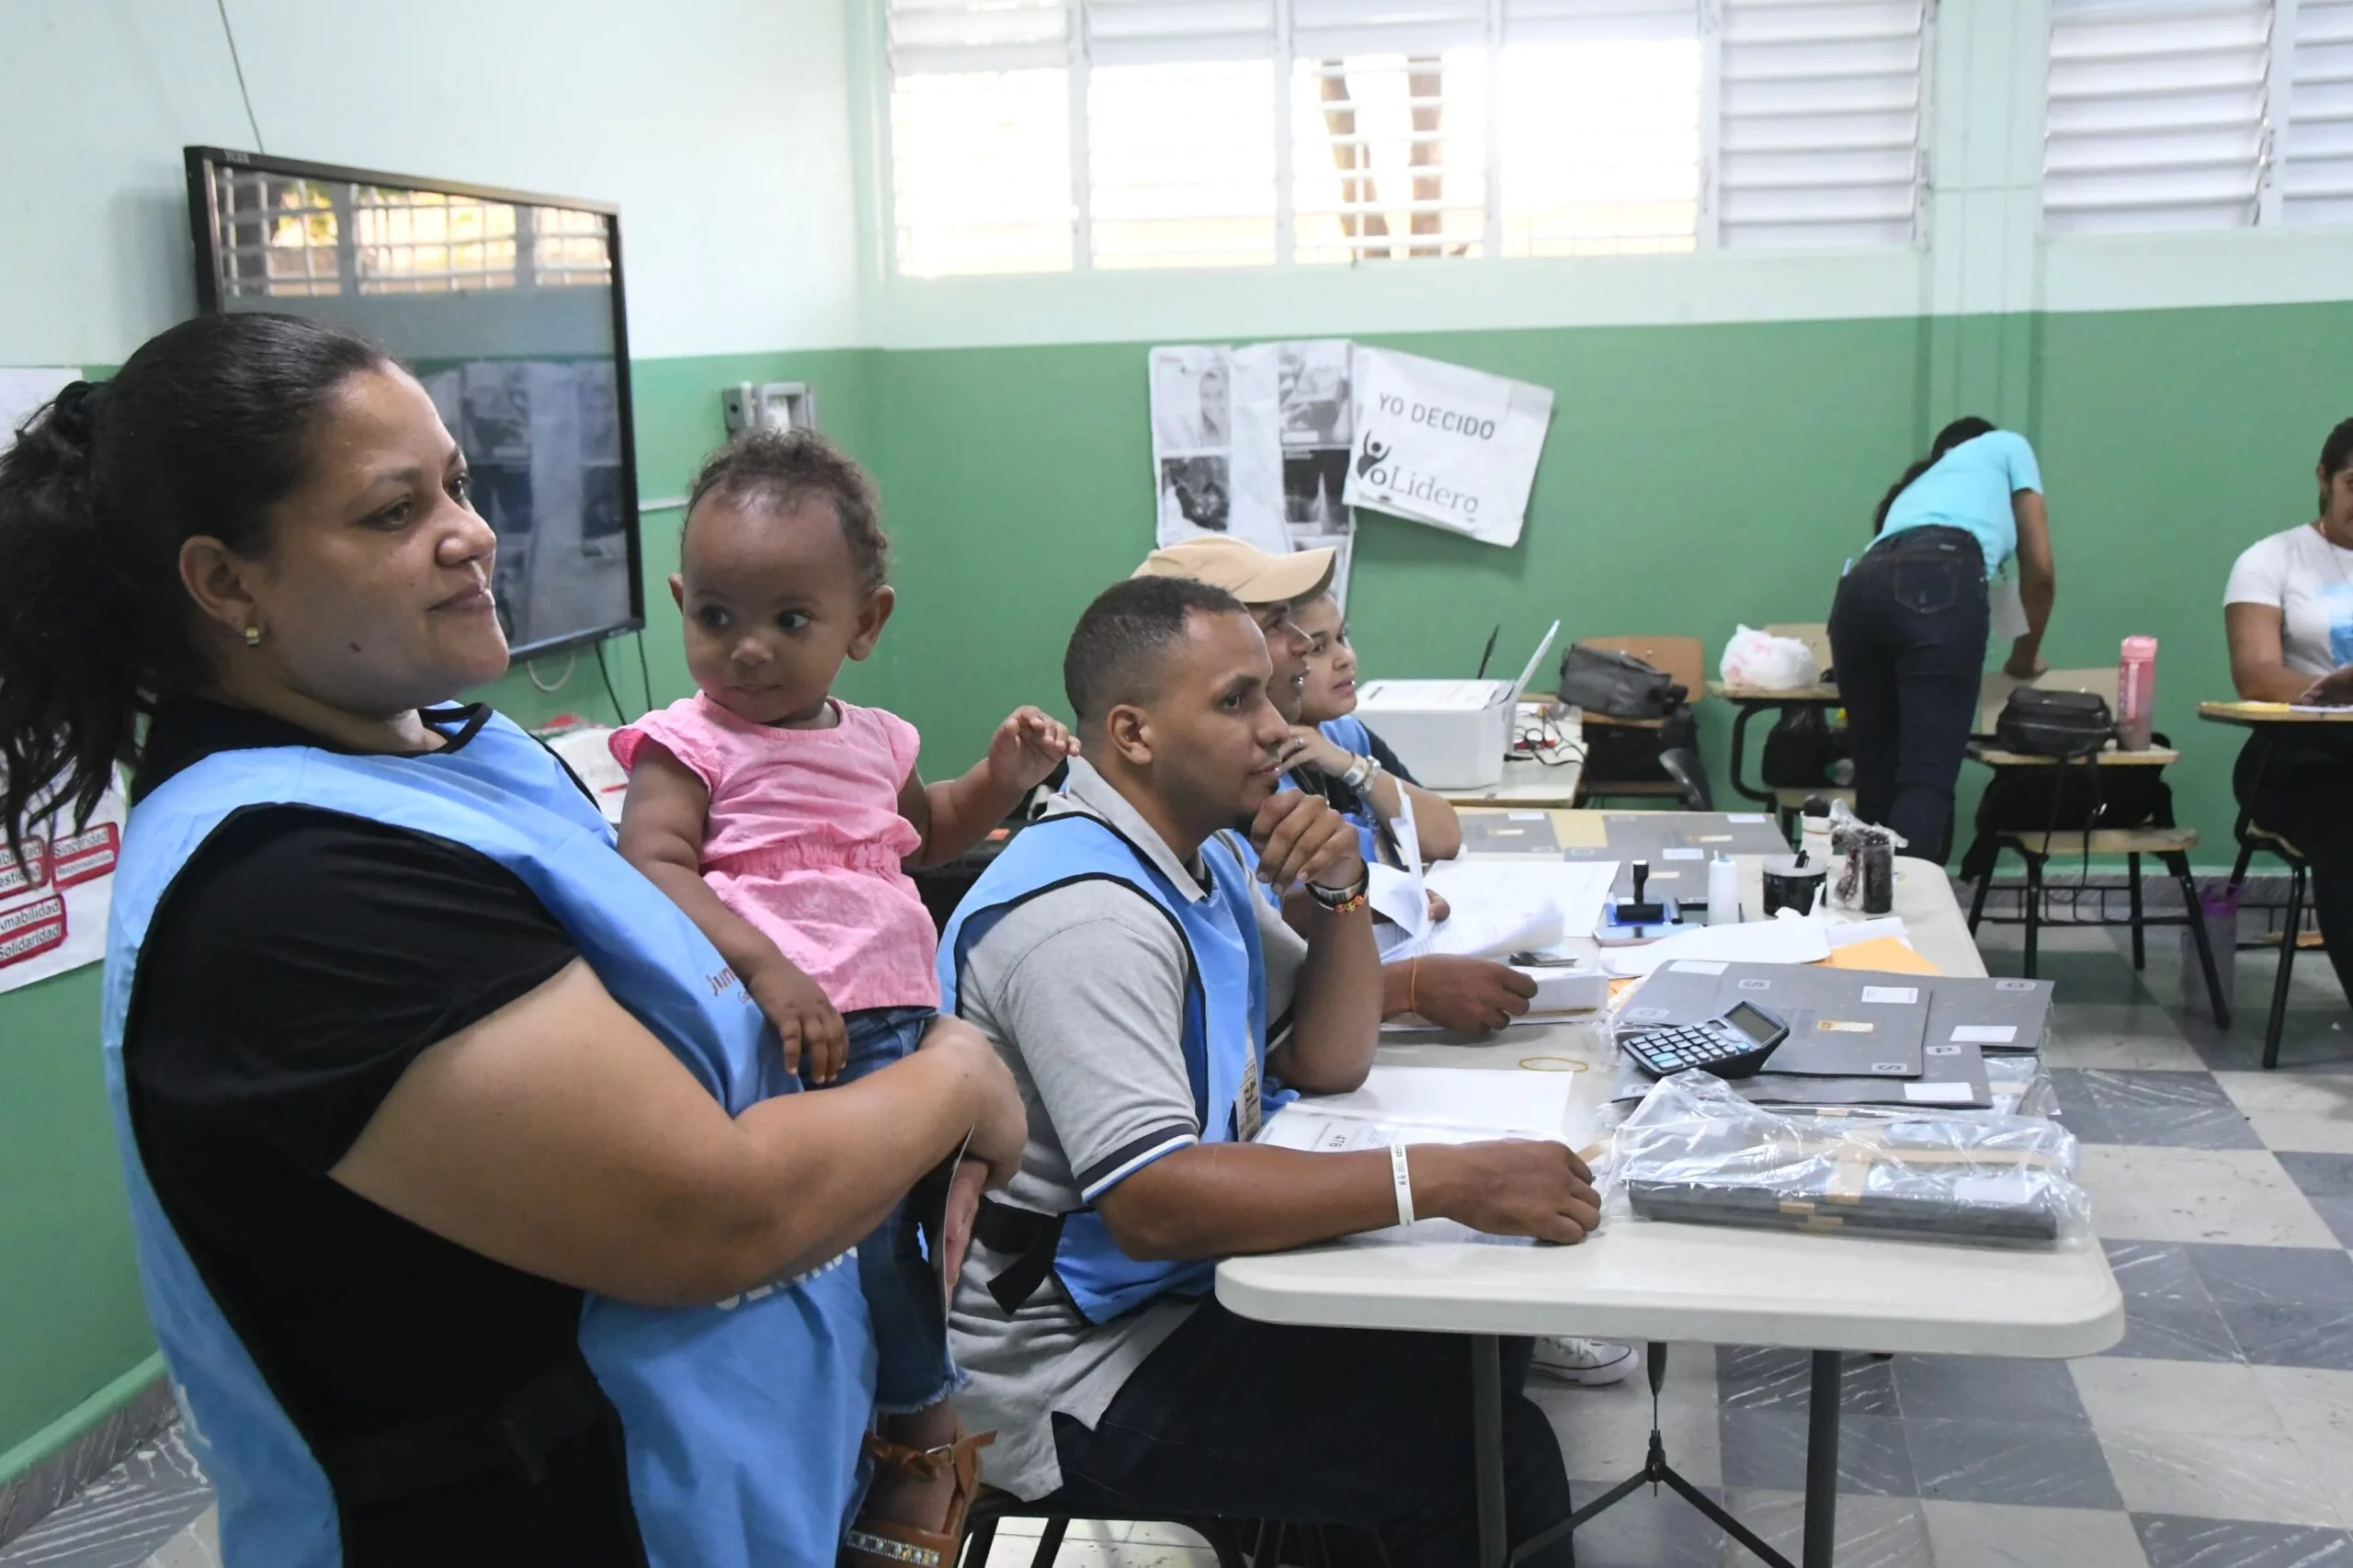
(1822, 119)
(1600, 120)
(2158, 115)
(1032, 135)
(2315, 172)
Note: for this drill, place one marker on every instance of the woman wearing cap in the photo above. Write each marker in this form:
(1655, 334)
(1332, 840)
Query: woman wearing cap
(477, 1217)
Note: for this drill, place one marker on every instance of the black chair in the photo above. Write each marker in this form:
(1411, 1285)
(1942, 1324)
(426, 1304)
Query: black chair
(1690, 778)
(2254, 838)
(2170, 846)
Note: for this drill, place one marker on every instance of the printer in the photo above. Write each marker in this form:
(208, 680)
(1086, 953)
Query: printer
(1453, 734)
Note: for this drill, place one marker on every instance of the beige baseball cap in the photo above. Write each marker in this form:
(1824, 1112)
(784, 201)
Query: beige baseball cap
(1243, 570)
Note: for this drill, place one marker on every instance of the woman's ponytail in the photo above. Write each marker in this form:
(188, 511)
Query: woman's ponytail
(1966, 428)
(206, 427)
(66, 713)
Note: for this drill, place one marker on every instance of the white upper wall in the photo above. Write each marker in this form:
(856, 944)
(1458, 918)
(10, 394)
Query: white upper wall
(721, 127)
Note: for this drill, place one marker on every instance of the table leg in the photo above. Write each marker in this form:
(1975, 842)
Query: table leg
(1739, 746)
(1821, 1460)
(1487, 1440)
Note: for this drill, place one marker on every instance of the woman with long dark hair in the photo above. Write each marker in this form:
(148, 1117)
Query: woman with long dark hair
(2289, 613)
(1909, 627)
(477, 1217)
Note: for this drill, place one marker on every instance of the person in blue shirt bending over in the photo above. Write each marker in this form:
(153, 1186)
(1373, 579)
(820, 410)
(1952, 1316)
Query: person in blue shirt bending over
(1909, 627)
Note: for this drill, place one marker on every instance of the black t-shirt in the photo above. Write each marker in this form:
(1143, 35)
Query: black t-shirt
(298, 964)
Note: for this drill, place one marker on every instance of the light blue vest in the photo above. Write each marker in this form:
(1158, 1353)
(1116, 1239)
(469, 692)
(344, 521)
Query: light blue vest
(742, 1419)
(1225, 1017)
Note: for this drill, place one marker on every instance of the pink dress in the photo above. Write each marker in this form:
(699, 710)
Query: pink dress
(804, 840)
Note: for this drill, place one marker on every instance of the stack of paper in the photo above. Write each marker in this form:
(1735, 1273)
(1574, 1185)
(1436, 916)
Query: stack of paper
(1428, 1104)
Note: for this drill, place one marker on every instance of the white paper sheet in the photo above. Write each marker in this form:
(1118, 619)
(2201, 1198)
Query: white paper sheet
(1428, 1104)
(2008, 607)
(1473, 1103)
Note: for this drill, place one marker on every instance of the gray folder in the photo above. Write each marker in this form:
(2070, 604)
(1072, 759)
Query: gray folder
(1509, 833)
(1678, 846)
(2003, 1017)
(1843, 1022)
(1954, 1082)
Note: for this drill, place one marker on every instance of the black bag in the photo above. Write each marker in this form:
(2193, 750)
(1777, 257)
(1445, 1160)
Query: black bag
(1800, 750)
(1618, 685)
(2054, 723)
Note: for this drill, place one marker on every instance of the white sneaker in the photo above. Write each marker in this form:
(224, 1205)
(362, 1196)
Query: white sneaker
(1593, 1363)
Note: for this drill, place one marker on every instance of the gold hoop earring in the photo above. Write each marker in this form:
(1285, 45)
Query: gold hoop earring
(253, 636)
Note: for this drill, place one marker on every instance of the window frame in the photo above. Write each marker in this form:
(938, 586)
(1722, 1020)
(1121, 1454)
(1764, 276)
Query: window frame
(1077, 63)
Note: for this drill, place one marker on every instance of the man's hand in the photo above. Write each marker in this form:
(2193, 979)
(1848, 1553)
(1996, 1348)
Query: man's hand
(2334, 690)
(808, 1023)
(1467, 995)
(1027, 748)
(1300, 838)
(1515, 1188)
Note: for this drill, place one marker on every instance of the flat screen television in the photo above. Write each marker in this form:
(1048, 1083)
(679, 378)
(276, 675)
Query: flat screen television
(509, 307)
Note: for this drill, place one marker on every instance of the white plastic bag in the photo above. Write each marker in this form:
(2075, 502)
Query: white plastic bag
(1766, 663)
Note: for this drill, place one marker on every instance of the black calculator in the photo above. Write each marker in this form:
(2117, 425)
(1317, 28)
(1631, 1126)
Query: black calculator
(1732, 1045)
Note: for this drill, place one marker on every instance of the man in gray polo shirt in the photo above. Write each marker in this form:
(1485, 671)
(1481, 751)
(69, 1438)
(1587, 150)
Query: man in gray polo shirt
(1113, 1378)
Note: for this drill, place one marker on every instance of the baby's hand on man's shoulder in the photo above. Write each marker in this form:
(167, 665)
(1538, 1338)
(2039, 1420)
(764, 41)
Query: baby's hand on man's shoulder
(1028, 746)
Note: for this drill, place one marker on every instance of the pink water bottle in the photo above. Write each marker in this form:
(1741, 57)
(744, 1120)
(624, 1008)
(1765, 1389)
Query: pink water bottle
(2136, 692)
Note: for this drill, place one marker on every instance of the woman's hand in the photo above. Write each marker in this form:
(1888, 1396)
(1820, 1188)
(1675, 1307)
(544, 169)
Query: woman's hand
(1311, 747)
(1001, 1127)
(807, 1023)
(2334, 690)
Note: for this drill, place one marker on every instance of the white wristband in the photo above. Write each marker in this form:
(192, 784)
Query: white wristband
(1404, 1179)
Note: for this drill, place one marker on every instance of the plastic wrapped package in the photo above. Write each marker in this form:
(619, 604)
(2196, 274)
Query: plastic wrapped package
(1696, 1153)
(2020, 1087)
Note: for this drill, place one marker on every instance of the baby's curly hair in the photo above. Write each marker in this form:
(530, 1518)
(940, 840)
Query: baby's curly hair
(786, 469)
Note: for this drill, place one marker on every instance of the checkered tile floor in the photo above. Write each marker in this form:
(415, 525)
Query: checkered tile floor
(2217, 1434)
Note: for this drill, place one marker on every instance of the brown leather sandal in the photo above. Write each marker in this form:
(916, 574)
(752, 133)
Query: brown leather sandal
(877, 1543)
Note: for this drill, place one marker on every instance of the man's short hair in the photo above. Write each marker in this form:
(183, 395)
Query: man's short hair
(1116, 649)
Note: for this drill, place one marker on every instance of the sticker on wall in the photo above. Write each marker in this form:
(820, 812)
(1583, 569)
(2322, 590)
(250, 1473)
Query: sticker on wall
(54, 899)
(1443, 445)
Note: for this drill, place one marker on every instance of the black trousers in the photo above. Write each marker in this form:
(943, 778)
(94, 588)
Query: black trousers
(1360, 1427)
(1907, 637)
(2305, 791)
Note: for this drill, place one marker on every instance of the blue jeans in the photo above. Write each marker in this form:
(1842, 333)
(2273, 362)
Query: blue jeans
(1907, 637)
(913, 1369)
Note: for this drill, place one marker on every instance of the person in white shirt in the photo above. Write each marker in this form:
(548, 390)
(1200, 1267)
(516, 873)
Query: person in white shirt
(2289, 613)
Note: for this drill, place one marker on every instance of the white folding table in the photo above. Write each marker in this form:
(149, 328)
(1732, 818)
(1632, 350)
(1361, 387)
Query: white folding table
(1650, 1282)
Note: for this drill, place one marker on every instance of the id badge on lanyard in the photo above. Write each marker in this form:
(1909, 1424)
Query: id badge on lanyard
(1246, 1106)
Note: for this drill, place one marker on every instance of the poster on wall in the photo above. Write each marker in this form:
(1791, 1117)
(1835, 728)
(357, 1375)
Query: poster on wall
(1217, 466)
(1443, 445)
(23, 391)
(54, 899)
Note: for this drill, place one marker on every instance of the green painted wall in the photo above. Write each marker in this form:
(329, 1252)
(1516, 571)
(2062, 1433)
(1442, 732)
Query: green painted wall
(1695, 477)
